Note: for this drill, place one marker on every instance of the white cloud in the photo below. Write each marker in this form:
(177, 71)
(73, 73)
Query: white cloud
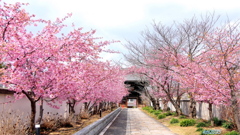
(208, 4)
(104, 13)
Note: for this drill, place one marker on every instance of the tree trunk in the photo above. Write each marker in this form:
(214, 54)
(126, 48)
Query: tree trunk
(39, 120)
(95, 109)
(178, 110)
(177, 107)
(100, 107)
(33, 109)
(210, 113)
(103, 106)
(192, 108)
(175, 104)
(91, 108)
(71, 104)
(157, 104)
(165, 105)
(236, 117)
(151, 99)
(236, 110)
(107, 106)
(153, 103)
(33, 115)
(85, 106)
(111, 106)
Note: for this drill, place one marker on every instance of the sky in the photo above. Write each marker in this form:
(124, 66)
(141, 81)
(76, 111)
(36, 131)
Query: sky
(124, 20)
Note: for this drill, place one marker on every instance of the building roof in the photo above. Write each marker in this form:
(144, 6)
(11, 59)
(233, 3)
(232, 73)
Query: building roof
(6, 91)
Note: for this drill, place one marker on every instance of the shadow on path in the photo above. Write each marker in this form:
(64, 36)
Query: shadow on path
(119, 126)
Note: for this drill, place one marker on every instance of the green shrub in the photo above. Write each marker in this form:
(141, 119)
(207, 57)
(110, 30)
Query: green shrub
(187, 122)
(174, 113)
(199, 129)
(161, 116)
(232, 133)
(167, 113)
(228, 125)
(218, 122)
(201, 133)
(182, 117)
(202, 124)
(173, 120)
(151, 111)
(157, 113)
(160, 110)
(147, 108)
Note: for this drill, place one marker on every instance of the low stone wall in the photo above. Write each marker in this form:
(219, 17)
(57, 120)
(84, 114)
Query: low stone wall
(96, 127)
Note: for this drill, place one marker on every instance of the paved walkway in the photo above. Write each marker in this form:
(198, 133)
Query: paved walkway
(133, 121)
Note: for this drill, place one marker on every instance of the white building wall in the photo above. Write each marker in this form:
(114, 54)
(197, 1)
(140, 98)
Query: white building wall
(8, 104)
(23, 106)
(201, 108)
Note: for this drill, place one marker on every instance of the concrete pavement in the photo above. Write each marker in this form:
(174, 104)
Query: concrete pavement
(133, 121)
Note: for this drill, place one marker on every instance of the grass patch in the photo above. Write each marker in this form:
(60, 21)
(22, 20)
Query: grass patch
(176, 128)
(157, 113)
(228, 125)
(168, 113)
(202, 124)
(173, 120)
(182, 117)
(161, 116)
(174, 113)
(147, 108)
(232, 133)
(218, 122)
(152, 111)
(199, 129)
(187, 122)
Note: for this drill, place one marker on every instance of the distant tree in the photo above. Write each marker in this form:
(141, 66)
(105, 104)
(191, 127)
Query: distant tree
(166, 50)
(202, 58)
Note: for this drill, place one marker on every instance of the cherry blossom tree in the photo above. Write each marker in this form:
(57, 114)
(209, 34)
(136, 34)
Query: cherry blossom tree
(50, 65)
(171, 49)
(220, 67)
(99, 82)
(162, 77)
